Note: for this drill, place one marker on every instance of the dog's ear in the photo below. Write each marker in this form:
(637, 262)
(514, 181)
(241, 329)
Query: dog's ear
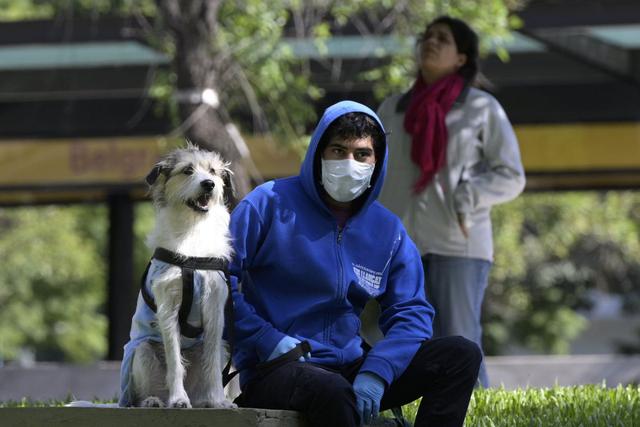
(152, 176)
(229, 189)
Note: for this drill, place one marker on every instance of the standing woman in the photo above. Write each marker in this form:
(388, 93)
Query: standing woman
(452, 156)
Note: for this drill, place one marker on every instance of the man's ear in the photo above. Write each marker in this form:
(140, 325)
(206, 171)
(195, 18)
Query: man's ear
(229, 189)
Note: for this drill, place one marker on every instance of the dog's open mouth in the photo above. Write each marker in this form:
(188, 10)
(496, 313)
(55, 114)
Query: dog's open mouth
(201, 204)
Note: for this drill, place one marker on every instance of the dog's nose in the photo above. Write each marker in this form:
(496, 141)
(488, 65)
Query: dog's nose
(207, 184)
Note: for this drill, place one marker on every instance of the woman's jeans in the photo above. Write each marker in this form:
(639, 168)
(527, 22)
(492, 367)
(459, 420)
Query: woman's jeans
(455, 287)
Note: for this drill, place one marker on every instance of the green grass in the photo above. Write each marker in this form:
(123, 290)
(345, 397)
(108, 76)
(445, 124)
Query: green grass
(28, 403)
(580, 406)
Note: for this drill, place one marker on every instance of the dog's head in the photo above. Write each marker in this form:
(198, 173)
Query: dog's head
(190, 177)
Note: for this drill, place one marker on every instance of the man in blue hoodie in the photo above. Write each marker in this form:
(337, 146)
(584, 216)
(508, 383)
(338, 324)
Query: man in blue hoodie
(310, 251)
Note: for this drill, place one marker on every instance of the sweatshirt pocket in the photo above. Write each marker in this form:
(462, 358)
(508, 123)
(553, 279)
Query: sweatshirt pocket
(344, 329)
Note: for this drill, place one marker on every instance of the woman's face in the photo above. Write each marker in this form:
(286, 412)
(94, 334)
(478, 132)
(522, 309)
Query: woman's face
(438, 54)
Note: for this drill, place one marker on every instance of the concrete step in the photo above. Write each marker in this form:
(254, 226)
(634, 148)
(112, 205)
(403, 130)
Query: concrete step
(143, 417)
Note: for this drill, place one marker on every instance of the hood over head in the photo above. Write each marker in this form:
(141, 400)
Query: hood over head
(333, 112)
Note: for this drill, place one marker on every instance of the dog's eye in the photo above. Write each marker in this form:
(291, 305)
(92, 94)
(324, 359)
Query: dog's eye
(188, 170)
(212, 171)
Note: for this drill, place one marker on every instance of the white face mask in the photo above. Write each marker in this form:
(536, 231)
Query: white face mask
(344, 180)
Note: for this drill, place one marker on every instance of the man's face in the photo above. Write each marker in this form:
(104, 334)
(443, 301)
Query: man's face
(358, 149)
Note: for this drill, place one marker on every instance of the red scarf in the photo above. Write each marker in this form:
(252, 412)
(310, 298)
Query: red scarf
(425, 122)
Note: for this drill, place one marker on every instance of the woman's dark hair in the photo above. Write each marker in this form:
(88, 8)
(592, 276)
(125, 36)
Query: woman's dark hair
(466, 42)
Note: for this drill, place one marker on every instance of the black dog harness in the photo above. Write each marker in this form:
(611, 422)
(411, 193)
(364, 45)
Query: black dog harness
(188, 265)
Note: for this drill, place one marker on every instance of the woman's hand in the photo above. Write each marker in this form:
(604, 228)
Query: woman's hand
(462, 222)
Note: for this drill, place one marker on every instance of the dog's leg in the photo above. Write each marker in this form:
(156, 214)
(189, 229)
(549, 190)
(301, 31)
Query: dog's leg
(148, 372)
(168, 296)
(213, 302)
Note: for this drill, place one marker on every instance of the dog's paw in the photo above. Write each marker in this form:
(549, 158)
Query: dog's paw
(179, 399)
(216, 404)
(152, 402)
(227, 404)
(181, 403)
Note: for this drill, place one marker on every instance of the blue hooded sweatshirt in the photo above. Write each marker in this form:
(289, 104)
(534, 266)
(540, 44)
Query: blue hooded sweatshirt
(302, 275)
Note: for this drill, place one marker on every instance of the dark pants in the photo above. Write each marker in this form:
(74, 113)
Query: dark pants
(443, 372)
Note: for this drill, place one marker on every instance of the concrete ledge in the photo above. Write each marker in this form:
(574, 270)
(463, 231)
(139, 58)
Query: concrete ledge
(139, 417)
(58, 381)
(53, 381)
(546, 371)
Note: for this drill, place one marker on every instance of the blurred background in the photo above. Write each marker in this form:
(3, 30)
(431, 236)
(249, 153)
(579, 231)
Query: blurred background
(92, 92)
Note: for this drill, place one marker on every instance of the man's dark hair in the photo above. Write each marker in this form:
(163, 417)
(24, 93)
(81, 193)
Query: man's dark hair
(354, 125)
(349, 126)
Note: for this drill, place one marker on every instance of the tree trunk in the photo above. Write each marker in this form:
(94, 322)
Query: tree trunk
(193, 26)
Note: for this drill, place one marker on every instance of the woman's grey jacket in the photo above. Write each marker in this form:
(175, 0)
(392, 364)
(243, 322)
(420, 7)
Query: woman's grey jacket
(483, 168)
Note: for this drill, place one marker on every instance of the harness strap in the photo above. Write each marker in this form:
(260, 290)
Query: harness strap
(265, 367)
(195, 263)
(185, 307)
(146, 296)
(291, 356)
(188, 265)
(228, 312)
(226, 375)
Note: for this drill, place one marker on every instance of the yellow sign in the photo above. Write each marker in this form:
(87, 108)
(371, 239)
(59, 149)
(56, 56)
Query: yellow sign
(581, 155)
(586, 147)
(55, 163)
(85, 169)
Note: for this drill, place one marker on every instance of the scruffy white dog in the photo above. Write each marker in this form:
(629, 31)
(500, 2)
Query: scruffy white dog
(176, 352)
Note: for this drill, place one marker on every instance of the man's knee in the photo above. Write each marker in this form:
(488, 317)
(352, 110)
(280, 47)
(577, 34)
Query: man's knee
(319, 384)
(467, 353)
(330, 386)
(327, 397)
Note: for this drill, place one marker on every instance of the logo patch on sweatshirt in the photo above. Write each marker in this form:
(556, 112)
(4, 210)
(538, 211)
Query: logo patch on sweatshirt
(368, 278)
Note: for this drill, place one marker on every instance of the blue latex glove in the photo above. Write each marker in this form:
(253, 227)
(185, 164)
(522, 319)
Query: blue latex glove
(369, 389)
(285, 345)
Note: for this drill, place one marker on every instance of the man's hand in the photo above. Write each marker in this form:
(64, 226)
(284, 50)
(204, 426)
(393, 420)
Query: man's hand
(285, 345)
(369, 389)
